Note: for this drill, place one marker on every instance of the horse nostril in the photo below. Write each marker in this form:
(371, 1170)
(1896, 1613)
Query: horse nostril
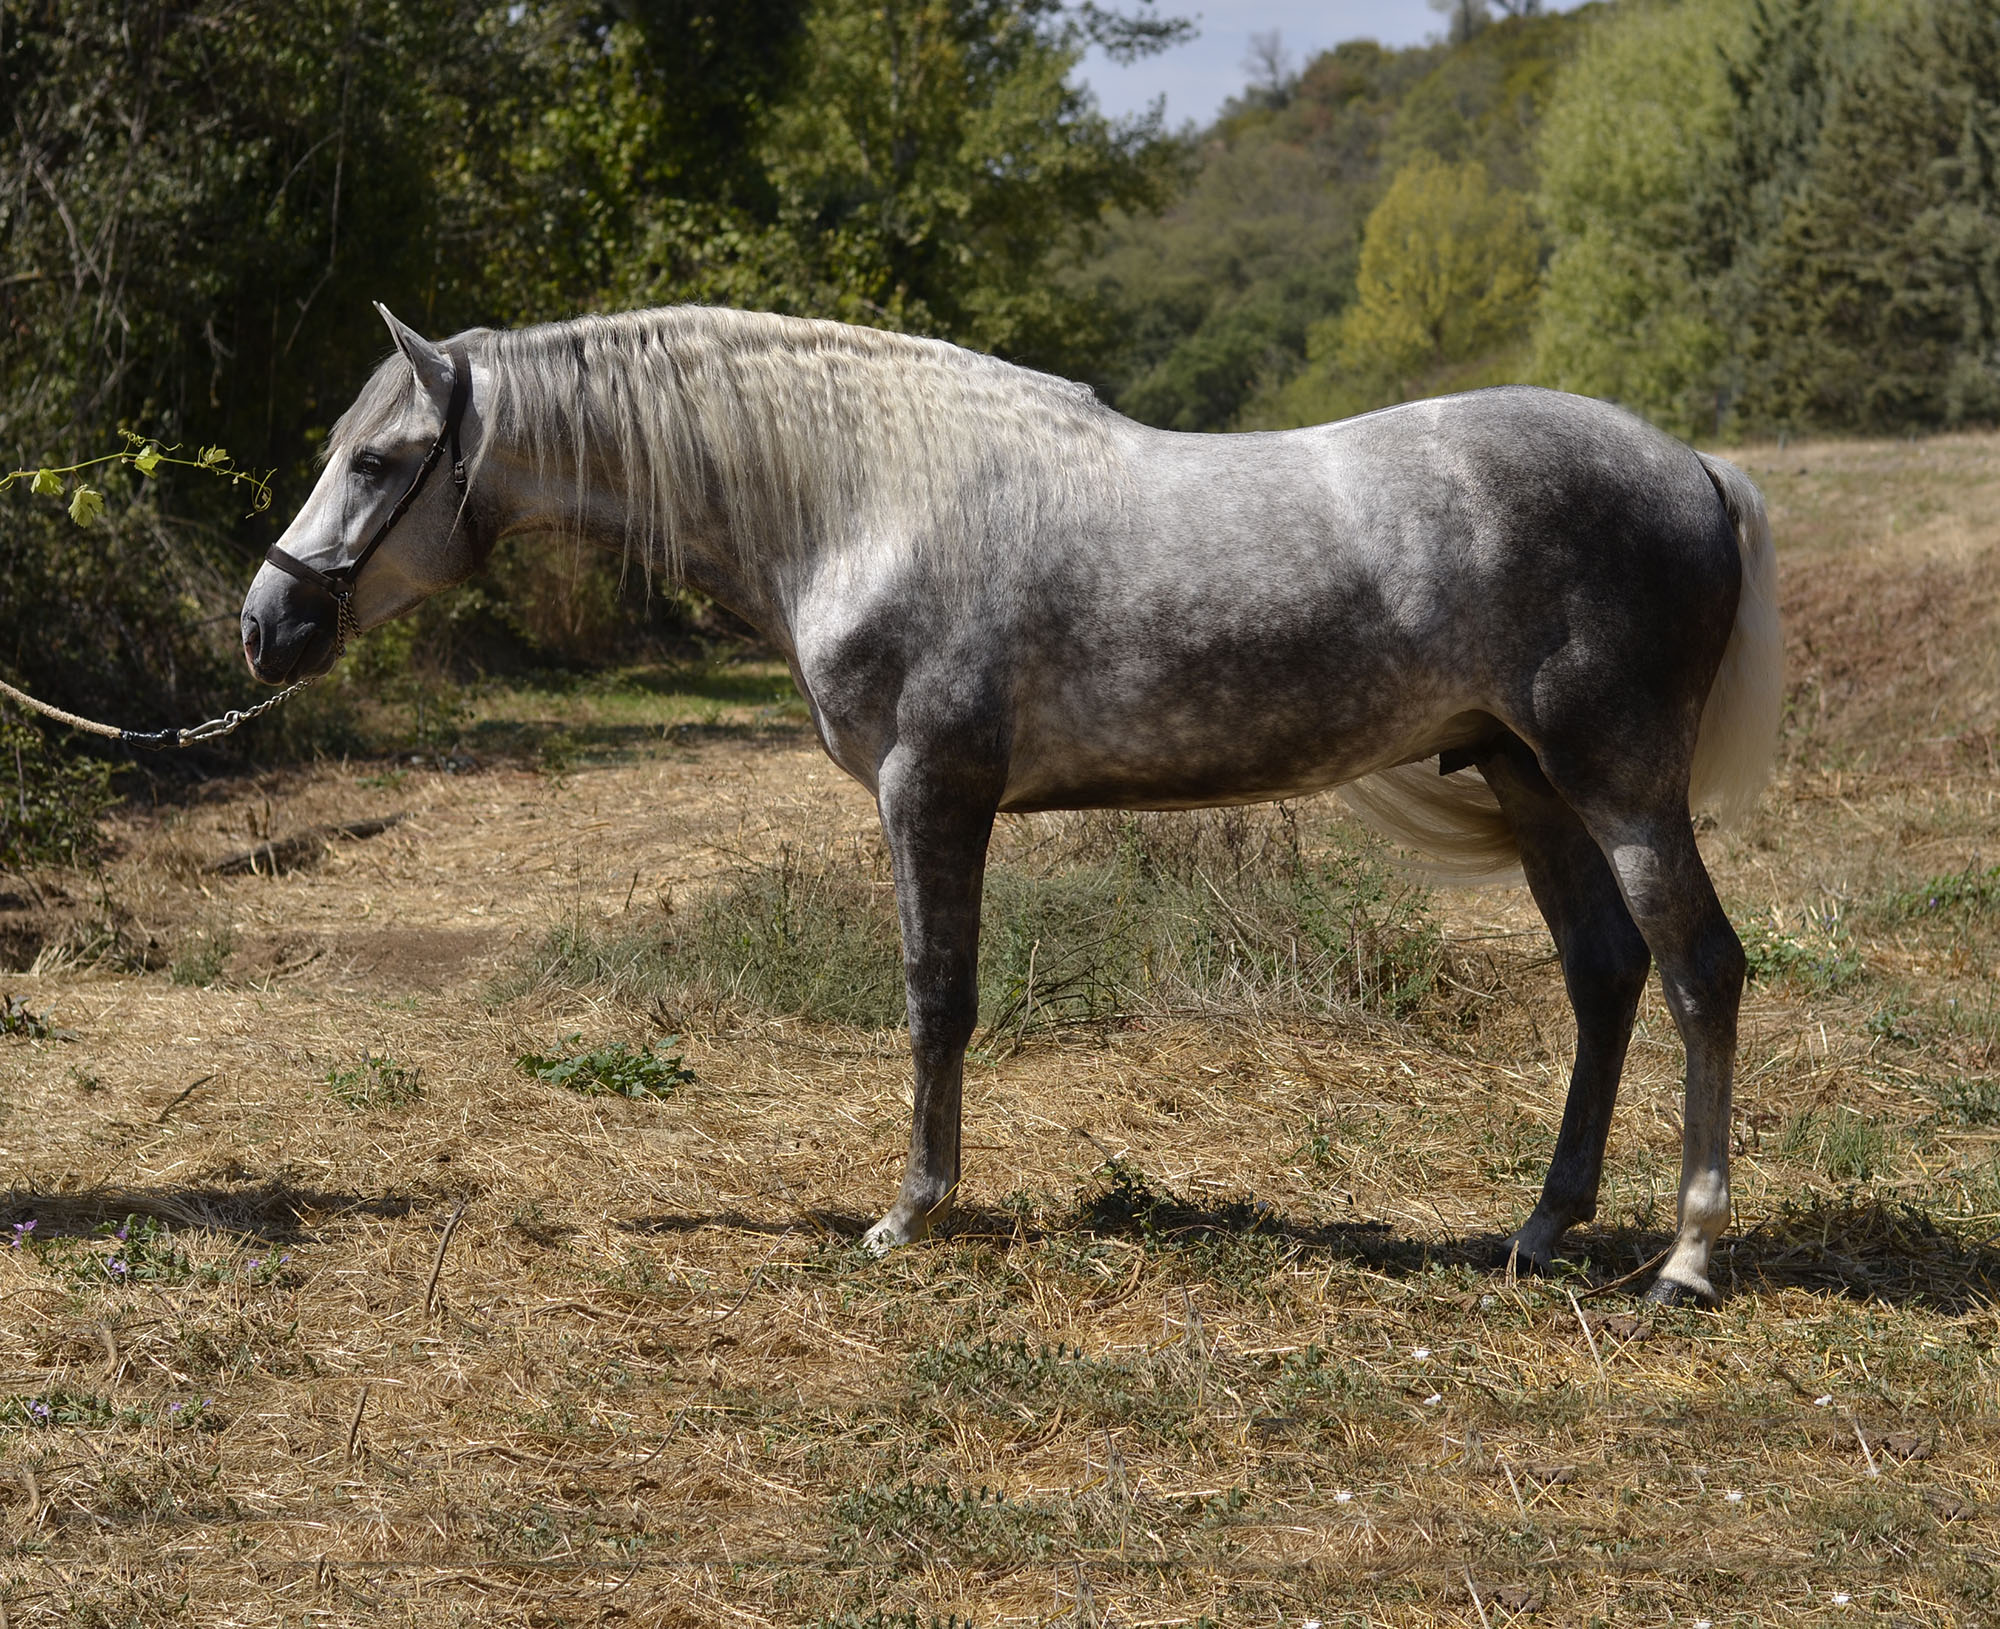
(253, 641)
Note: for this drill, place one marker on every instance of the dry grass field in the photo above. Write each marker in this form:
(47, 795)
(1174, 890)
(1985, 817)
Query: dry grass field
(321, 1308)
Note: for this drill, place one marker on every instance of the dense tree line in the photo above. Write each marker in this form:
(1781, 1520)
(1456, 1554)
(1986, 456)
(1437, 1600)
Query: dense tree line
(1735, 216)
(1780, 214)
(1229, 302)
(199, 200)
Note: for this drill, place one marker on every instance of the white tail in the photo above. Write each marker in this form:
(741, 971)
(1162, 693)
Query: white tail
(1746, 704)
(1455, 823)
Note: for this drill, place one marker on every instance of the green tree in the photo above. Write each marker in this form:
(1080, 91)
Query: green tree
(1217, 299)
(1447, 273)
(1630, 130)
(1778, 214)
(1869, 299)
(934, 166)
(197, 201)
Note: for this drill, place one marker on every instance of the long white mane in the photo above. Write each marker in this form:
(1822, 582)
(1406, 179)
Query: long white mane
(806, 434)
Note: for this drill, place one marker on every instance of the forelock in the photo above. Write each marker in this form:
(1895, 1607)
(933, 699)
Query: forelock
(383, 400)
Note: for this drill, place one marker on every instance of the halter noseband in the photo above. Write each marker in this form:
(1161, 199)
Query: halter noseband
(341, 580)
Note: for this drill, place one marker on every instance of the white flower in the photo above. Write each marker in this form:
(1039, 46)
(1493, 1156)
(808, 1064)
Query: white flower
(1821, 1402)
(1734, 1496)
(1841, 1597)
(1704, 1623)
(1421, 1353)
(1434, 1399)
(1343, 1497)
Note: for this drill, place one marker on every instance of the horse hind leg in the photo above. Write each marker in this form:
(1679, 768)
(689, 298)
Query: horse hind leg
(1667, 889)
(1604, 963)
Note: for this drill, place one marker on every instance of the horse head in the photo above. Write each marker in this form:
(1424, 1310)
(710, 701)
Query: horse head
(384, 528)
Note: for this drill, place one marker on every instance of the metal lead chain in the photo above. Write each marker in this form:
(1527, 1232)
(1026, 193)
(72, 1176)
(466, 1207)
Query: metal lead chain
(233, 720)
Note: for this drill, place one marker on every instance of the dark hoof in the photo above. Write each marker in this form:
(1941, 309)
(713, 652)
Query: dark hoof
(1509, 1257)
(1667, 1292)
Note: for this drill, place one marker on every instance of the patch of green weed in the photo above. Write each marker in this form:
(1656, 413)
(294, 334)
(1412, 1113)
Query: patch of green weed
(17, 1018)
(62, 1406)
(54, 799)
(617, 1070)
(1819, 956)
(137, 1250)
(1845, 1145)
(375, 1083)
(1317, 1374)
(201, 957)
(916, 1525)
(1006, 1377)
(1969, 1100)
(1955, 894)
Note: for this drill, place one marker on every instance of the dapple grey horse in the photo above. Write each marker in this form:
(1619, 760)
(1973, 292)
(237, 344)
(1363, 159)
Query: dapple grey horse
(1527, 627)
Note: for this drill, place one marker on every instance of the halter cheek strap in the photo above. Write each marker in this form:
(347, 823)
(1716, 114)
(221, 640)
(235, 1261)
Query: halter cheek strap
(340, 581)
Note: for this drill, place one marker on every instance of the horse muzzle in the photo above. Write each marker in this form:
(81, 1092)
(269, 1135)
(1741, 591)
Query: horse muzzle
(291, 633)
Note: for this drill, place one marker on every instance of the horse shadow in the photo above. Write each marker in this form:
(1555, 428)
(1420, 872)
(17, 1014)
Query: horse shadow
(272, 1212)
(1860, 1247)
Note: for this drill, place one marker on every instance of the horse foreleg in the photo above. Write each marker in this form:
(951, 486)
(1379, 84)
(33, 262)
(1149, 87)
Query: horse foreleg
(938, 827)
(1604, 963)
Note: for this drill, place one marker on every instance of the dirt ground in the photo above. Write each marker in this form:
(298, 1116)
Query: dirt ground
(288, 1336)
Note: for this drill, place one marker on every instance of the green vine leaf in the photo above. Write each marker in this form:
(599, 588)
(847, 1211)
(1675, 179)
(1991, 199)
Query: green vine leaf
(144, 455)
(85, 505)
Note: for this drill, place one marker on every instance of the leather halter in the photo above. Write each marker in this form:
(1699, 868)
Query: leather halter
(340, 581)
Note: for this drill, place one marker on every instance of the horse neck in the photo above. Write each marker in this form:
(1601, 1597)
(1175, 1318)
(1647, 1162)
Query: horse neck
(550, 507)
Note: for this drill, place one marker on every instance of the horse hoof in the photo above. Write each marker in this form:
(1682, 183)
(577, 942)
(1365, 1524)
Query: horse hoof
(1524, 1262)
(1668, 1292)
(883, 1237)
(893, 1232)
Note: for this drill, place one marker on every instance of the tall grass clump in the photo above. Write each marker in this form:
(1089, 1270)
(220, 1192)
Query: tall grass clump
(1087, 917)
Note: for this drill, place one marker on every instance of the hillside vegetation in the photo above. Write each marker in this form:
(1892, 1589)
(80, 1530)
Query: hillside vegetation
(1733, 216)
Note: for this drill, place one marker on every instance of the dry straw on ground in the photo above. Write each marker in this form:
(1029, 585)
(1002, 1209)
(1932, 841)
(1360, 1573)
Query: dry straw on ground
(397, 1332)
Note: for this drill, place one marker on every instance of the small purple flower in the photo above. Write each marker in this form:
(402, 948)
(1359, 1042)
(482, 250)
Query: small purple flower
(120, 1235)
(41, 1411)
(21, 1232)
(287, 1256)
(253, 1264)
(175, 1408)
(117, 1267)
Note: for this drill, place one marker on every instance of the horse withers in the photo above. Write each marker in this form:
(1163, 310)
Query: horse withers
(1523, 631)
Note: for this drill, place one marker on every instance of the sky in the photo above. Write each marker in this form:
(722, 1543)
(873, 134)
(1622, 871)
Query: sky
(1196, 79)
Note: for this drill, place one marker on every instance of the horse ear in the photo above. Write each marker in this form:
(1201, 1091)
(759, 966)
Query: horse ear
(432, 366)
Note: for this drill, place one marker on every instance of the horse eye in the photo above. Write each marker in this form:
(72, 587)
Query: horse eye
(367, 463)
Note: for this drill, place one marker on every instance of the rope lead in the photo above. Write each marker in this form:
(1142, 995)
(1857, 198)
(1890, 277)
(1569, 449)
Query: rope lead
(158, 740)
